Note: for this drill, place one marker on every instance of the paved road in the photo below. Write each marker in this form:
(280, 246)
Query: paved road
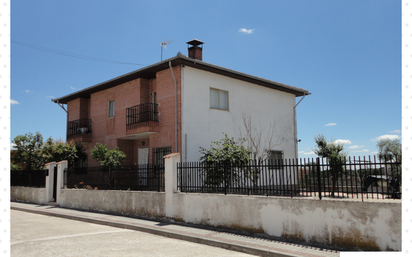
(40, 235)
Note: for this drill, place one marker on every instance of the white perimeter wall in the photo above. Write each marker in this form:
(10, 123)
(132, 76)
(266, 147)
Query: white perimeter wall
(352, 225)
(28, 195)
(344, 223)
(204, 125)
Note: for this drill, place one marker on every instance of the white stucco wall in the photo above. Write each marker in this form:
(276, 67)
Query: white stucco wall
(343, 223)
(131, 203)
(204, 125)
(28, 194)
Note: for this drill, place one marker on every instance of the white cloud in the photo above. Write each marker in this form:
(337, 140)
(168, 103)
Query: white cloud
(356, 146)
(303, 152)
(246, 31)
(73, 88)
(374, 152)
(50, 96)
(13, 101)
(342, 141)
(330, 124)
(395, 131)
(28, 91)
(391, 137)
(13, 146)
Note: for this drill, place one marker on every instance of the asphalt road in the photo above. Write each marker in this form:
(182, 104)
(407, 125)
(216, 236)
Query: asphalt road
(40, 235)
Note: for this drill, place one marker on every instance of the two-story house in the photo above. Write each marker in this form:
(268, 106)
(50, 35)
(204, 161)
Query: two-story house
(179, 105)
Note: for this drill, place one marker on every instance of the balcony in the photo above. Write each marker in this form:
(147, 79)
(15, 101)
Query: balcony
(142, 120)
(80, 130)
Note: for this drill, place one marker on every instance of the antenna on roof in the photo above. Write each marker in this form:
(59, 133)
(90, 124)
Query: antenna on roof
(163, 45)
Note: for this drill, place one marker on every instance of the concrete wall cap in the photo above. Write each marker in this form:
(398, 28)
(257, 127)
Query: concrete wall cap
(170, 155)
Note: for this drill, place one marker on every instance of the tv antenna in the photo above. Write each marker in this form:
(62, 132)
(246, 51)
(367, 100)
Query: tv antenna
(163, 45)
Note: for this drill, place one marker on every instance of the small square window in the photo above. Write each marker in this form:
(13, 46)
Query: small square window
(219, 99)
(110, 112)
(275, 159)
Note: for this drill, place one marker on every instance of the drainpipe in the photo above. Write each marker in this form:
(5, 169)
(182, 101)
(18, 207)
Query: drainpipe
(174, 79)
(295, 127)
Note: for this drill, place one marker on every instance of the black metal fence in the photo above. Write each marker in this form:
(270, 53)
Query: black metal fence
(145, 177)
(141, 113)
(80, 126)
(353, 178)
(28, 178)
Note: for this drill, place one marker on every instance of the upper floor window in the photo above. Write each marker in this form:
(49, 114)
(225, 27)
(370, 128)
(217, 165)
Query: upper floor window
(110, 111)
(219, 99)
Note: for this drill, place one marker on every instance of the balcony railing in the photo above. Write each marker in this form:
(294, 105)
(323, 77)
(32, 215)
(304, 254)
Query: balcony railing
(81, 126)
(141, 113)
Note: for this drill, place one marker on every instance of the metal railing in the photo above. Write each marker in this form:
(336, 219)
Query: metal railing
(141, 113)
(28, 178)
(80, 126)
(146, 177)
(352, 178)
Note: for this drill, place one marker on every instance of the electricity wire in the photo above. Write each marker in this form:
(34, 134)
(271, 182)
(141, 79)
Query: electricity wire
(84, 57)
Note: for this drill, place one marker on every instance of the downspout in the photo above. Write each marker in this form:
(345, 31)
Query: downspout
(174, 79)
(295, 127)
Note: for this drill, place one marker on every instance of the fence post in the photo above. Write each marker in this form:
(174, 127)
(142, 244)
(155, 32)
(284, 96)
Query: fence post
(224, 175)
(61, 166)
(318, 173)
(49, 181)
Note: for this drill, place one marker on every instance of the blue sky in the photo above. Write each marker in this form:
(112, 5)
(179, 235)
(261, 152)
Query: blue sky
(346, 53)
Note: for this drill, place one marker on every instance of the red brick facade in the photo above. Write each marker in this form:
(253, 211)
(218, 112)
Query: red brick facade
(112, 131)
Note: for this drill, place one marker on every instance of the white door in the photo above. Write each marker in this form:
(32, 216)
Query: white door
(143, 158)
(143, 155)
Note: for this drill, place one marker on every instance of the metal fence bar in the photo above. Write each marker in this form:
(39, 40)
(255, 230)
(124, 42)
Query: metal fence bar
(28, 178)
(138, 177)
(292, 177)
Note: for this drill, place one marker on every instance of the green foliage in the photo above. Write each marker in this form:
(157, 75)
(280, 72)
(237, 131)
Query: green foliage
(107, 158)
(226, 152)
(29, 151)
(389, 149)
(334, 154)
(32, 153)
(56, 150)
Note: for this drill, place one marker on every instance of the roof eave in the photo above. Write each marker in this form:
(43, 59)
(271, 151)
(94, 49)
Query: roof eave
(180, 59)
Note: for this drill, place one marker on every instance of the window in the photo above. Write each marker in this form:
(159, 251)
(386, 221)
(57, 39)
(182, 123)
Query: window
(158, 153)
(275, 159)
(110, 112)
(219, 99)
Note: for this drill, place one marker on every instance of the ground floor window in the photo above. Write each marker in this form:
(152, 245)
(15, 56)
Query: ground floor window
(158, 153)
(275, 158)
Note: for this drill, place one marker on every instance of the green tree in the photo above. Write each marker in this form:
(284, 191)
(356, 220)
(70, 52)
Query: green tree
(226, 152)
(32, 153)
(107, 158)
(29, 151)
(334, 154)
(389, 150)
(57, 150)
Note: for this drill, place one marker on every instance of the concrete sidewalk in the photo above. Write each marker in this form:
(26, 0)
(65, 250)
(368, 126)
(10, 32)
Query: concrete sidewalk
(226, 240)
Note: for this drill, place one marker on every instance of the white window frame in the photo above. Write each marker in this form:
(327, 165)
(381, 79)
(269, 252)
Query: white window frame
(218, 99)
(110, 112)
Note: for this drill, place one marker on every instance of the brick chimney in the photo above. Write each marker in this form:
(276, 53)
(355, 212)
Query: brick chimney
(195, 48)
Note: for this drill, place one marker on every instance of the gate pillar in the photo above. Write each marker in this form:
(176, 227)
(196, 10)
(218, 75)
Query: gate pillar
(50, 181)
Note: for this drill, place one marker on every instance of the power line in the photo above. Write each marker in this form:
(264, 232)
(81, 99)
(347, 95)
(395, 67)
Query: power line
(84, 57)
